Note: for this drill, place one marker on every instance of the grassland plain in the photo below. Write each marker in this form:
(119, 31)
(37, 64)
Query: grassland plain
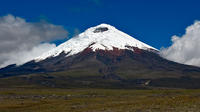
(32, 99)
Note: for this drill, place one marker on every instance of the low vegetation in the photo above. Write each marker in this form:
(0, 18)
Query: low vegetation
(32, 99)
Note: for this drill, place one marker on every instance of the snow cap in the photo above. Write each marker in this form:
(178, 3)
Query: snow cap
(103, 36)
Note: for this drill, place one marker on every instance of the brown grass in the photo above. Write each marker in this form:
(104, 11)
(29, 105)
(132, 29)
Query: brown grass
(98, 100)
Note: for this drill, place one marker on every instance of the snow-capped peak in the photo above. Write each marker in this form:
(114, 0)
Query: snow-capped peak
(103, 36)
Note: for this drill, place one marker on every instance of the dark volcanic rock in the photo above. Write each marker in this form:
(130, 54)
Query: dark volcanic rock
(100, 29)
(118, 67)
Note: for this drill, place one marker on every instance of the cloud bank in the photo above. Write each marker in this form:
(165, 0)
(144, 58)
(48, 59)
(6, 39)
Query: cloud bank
(185, 49)
(22, 41)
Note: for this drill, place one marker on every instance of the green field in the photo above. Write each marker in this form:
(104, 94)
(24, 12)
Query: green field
(98, 100)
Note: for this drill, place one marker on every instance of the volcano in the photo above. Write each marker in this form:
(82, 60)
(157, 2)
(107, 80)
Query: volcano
(101, 37)
(103, 56)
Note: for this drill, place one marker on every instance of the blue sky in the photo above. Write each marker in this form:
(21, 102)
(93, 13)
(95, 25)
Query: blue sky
(151, 21)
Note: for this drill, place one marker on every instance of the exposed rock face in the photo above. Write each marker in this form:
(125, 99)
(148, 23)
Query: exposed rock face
(100, 29)
(138, 59)
(120, 68)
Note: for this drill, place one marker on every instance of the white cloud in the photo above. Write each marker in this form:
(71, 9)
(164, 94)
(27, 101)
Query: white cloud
(185, 49)
(20, 57)
(21, 41)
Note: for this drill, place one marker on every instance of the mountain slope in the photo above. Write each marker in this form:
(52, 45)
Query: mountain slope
(103, 56)
(103, 37)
